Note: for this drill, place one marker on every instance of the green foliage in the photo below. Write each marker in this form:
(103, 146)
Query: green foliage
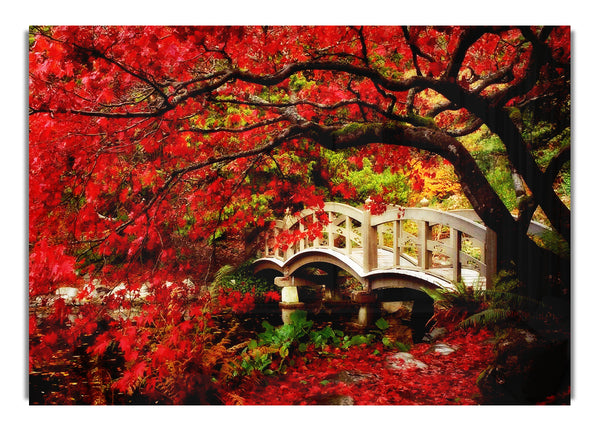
(500, 178)
(552, 241)
(475, 307)
(240, 279)
(382, 324)
(394, 186)
(461, 299)
(275, 346)
(486, 318)
(357, 340)
(287, 334)
(490, 154)
(326, 336)
(298, 82)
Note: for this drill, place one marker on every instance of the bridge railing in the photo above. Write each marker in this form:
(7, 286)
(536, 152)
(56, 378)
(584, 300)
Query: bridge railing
(432, 241)
(339, 228)
(435, 241)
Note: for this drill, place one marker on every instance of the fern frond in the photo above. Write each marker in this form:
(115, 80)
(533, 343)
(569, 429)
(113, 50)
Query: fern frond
(220, 275)
(491, 316)
(233, 399)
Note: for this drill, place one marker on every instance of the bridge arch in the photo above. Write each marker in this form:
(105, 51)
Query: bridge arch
(373, 280)
(391, 254)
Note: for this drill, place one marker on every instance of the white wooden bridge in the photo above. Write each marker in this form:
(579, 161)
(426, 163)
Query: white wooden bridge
(403, 247)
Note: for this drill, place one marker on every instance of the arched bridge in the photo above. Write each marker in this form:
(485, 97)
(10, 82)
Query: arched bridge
(401, 248)
(407, 246)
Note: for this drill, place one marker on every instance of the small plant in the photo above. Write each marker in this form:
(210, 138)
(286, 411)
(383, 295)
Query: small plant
(382, 326)
(242, 283)
(271, 351)
(458, 302)
(275, 347)
(504, 306)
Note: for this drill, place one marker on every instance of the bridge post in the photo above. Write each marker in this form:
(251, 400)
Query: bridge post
(289, 297)
(424, 236)
(455, 244)
(366, 309)
(369, 240)
(396, 241)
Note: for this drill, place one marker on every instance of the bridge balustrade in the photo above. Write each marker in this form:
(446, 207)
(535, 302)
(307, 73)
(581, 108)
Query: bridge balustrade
(447, 245)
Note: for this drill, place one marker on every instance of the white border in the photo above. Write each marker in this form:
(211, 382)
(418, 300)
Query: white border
(19, 15)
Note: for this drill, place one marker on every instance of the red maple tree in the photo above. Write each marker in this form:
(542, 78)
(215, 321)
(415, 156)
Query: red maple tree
(152, 146)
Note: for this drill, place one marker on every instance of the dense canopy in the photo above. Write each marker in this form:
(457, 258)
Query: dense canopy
(150, 145)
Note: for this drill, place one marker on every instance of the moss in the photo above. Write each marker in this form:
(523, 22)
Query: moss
(417, 120)
(353, 128)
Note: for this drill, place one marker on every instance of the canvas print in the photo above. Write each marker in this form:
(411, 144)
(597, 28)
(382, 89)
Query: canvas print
(299, 215)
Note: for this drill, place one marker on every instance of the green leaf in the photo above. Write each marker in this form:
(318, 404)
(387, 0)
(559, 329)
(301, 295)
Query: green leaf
(324, 382)
(298, 316)
(283, 351)
(382, 324)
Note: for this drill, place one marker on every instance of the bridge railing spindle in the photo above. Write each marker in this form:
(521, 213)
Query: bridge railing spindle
(316, 240)
(424, 236)
(456, 244)
(330, 241)
(397, 231)
(302, 244)
(348, 235)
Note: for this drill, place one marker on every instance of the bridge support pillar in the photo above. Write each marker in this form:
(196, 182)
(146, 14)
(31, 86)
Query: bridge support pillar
(289, 294)
(366, 309)
(289, 297)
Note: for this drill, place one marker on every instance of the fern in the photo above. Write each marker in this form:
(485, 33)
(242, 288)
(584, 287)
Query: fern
(488, 317)
(219, 278)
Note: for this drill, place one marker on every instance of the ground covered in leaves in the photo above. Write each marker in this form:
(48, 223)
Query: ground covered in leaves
(372, 375)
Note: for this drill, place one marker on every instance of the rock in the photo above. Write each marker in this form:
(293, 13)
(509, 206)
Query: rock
(396, 306)
(350, 377)
(435, 334)
(441, 348)
(332, 400)
(407, 360)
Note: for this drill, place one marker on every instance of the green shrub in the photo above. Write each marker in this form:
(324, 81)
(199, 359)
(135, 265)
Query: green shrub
(275, 347)
(240, 279)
